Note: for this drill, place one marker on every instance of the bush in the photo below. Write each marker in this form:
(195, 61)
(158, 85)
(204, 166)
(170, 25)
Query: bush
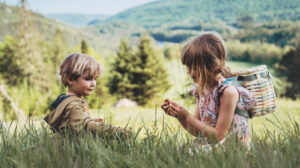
(289, 66)
(256, 52)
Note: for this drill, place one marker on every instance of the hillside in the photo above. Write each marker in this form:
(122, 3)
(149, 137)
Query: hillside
(176, 12)
(45, 28)
(77, 19)
(179, 20)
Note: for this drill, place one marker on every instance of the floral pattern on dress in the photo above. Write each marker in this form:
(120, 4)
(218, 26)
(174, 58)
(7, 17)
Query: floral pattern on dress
(209, 107)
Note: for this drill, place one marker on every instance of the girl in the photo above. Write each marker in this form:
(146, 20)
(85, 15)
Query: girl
(216, 98)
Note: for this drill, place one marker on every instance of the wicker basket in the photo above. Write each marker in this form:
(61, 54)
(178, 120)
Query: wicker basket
(259, 81)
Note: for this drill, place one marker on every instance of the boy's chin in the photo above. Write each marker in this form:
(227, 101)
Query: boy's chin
(87, 94)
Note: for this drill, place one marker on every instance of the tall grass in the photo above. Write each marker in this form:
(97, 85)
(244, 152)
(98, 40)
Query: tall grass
(38, 147)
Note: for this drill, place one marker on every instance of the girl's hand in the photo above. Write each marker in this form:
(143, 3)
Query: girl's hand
(177, 110)
(173, 109)
(165, 106)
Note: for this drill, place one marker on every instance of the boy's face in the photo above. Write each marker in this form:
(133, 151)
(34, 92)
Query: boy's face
(83, 86)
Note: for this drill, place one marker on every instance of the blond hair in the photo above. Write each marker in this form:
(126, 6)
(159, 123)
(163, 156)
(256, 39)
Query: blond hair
(77, 65)
(205, 56)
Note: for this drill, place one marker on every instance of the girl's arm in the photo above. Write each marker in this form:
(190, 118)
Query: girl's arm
(194, 126)
(197, 116)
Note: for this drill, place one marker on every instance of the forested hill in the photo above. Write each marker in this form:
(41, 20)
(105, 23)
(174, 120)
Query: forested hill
(44, 28)
(77, 19)
(172, 12)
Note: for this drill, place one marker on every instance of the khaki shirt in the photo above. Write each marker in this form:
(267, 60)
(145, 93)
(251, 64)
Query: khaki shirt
(72, 113)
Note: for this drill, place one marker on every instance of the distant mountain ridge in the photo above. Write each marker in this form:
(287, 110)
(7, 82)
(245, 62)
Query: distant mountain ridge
(45, 27)
(171, 12)
(78, 19)
(179, 20)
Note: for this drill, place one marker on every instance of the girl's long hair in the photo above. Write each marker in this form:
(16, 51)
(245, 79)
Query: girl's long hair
(205, 58)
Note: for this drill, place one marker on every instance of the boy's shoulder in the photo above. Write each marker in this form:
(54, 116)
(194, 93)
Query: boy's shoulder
(61, 106)
(66, 100)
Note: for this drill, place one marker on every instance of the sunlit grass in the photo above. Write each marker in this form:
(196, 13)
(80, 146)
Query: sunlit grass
(152, 147)
(157, 137)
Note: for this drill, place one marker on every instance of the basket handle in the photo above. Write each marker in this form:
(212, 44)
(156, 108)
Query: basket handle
(254, 76)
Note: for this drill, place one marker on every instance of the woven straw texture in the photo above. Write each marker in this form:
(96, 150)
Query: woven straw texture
(262, 89)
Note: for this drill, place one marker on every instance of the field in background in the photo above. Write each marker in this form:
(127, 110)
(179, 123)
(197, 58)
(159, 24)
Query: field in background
(137, 117)
(156, 140)
(287, 109)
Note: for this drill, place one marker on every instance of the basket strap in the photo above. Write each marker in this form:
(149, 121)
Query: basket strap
(241, 112)
(254, 76)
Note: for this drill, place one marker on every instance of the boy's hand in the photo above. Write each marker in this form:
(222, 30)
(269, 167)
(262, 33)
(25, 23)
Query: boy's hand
(101, 120)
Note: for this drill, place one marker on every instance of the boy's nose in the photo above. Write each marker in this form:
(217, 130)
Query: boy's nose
(93, 83)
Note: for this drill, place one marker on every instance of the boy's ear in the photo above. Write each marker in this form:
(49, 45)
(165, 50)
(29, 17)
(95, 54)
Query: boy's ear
(69, 81)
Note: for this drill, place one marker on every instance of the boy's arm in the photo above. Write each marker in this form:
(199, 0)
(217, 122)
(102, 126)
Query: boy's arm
(79, 120)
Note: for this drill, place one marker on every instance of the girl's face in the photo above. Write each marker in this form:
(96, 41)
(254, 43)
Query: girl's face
(193, 74)
(83, 86)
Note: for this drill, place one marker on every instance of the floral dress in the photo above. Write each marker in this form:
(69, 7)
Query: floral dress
(209, 107)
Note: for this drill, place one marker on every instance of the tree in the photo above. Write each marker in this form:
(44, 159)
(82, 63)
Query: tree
(29, 51)
(246, 21)
(9, 67)
(118, 82)
(57, 49)
(168, 53)
(290, 64)
(138, 76)
(84, 47)
(148, 77)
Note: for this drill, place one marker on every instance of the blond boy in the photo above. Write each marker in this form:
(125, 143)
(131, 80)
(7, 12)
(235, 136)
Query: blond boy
(79, 73)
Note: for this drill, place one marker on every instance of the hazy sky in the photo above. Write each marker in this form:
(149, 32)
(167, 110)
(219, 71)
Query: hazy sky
(107, 7)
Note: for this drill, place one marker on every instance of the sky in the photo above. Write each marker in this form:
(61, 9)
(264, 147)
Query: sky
(107, 7)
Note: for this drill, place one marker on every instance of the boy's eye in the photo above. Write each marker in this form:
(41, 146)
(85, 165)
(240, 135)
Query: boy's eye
(88, 78)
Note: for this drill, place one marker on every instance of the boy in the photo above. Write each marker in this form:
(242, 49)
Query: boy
(79, 73)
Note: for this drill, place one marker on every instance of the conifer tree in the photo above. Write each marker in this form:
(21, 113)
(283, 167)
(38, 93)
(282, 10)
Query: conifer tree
(118, 81)
(289, 65)
(84, 47)
(29, 51)
(148, 77)
(57, 49)
(9, 68)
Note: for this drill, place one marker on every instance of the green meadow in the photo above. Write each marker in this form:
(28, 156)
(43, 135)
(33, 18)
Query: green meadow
(32, 46)
(157, 141)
